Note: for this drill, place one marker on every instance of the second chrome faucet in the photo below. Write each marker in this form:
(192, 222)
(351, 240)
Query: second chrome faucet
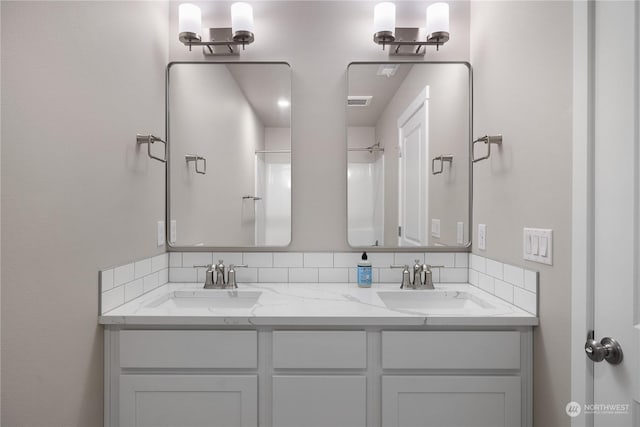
(215, 277)
(422, 276)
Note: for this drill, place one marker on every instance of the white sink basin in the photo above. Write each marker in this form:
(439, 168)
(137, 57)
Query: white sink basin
(433, 301)
(207, 298)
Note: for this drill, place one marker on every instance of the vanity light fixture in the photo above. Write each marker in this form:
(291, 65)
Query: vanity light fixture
(408, 40)
(222, 41)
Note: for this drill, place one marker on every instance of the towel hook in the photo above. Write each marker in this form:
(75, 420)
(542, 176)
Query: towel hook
(195, 158)
(443, 158)
(150, 139)
(487, 139)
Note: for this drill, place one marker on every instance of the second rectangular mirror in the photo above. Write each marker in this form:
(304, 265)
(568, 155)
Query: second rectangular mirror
(229, 140)
(409, 169)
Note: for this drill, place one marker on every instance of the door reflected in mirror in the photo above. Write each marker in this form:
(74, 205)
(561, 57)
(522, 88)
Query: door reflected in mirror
(408, 163)
(237, 118)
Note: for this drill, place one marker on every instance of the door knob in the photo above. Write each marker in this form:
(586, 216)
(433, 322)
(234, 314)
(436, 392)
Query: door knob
(607, 349)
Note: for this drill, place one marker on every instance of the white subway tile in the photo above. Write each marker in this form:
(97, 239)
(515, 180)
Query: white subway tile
(473, 278)
(390, 275)
(514, 275)
(453, 275)
(494, 269)
(273, 275)
(202, 275)
(303, 275)
(408, 258)
(247, 275)
(462, 260)
(142, 268)
(486, 283)
(440, 258)
(159, 262)
(504, 290)
(287, 259)
(111, 299)
(347, 259)
(228, 257)
(478, 263)
(175, 259)
(531, 281)
(190, 259)
(163, 276)
(381, 259)
(106, 280)
(318, 259)
(150, 282)
(183, 274)
(123, 274)
(258, 259)
(333, 275)
(133, 290)
(525, 300)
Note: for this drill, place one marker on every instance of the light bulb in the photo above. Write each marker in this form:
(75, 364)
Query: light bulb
(437, 19)
(384, 18)
(242, 21)
(189, 21)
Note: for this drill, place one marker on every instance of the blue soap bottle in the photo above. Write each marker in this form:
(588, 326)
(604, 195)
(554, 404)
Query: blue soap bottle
(364, 272)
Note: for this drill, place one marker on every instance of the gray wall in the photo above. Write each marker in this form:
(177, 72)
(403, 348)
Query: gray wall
(523, 90)
(77, 195)
(79, 80)
(211, 117)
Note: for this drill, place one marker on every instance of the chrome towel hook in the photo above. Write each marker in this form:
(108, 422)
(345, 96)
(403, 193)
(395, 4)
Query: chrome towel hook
(443, 158)
(487, 139)
(150, 139)
(195, 158)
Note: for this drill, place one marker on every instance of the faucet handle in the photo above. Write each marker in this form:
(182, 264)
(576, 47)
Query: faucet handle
(429, 267)
(231, 281)
(406, 280)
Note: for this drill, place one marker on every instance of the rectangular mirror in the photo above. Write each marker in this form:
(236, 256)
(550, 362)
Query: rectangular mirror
(408, 165)
(229, 154)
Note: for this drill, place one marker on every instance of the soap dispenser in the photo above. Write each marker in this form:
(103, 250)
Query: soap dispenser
(364, 272)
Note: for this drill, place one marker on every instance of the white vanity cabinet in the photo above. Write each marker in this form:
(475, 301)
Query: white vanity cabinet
(370, 376)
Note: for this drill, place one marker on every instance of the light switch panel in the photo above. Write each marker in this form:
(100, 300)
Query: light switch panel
(482, 236)
(173, 236)
(460, 233)
(537, 245)
(435, 228)
(160, 233)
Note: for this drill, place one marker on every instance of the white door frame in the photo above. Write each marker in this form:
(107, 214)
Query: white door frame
(583, 226)
(419, 101)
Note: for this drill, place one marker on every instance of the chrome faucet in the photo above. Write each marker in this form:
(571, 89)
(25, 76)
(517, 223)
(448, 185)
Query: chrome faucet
(219, 269)
(422, 276)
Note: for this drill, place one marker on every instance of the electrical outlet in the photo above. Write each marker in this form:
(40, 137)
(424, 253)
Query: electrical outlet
(460, 232)
(160, 233)
(435, 228)
(173, 235)
(482, 237)
(537, 245)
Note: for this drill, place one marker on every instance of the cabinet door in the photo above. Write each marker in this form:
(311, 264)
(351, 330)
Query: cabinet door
(188, 400)
(450, 401)
(319, 401)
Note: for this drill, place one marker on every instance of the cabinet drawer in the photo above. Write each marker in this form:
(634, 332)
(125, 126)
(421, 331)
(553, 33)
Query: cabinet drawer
(320, 349)
(451, 350)
(188, 349)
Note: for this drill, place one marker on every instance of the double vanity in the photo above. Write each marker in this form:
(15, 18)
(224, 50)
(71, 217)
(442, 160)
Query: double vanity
(321, 354)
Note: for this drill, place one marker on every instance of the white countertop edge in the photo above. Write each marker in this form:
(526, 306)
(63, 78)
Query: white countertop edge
(129, 314)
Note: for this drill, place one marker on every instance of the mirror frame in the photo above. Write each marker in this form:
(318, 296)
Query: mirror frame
(174, 248)
(467, 246)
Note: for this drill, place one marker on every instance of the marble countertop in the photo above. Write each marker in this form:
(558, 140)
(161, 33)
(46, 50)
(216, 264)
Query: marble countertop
(318, 304)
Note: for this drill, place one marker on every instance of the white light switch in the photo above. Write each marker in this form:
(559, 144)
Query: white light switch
(435, 228)
(173, 233)
(160, 233)
(537, 245)
(460, 233)
(482, 236)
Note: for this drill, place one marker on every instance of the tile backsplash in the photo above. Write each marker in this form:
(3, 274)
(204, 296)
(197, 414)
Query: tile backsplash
(124, 283)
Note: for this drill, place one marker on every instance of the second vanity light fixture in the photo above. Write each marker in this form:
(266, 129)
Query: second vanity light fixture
(410, 41)
(222, 41)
